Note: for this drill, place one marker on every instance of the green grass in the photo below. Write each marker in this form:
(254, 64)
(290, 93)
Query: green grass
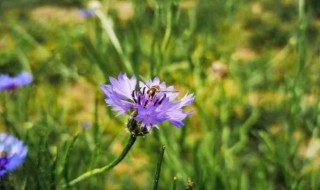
(257, 127)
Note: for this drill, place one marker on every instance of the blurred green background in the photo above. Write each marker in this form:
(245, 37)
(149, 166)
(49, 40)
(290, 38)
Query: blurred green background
(253, 66)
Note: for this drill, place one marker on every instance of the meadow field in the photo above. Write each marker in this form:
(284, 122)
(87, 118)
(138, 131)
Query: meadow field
(245, 72)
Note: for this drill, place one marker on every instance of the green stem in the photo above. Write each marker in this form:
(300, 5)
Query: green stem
(157, 174)
(174, 186)
(105, 168)
(167, 34)
(9, 124)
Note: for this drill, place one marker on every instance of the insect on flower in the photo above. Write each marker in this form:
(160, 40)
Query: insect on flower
(151, 93)
(150, 103)
(153, 90)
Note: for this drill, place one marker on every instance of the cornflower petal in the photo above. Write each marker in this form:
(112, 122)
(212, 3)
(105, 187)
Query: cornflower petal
(123, 86)
(172, 93)
(119, 93)
(154, 82)
(187, 100)
(150, 116)
(24, 78)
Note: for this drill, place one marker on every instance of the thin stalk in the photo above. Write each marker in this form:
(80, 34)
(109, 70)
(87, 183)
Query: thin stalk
(108, 27)
(105, 168)
(174, 185)
(168, 30)
(9, 124)
(157, 174)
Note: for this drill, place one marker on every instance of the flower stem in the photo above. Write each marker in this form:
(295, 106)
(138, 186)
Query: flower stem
(104, 168)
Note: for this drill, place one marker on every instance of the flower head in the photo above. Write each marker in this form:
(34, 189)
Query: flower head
(12, 153)
(8, 82)
(151, 102)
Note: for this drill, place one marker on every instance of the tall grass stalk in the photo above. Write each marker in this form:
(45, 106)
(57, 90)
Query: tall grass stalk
(156, 177)
(107, 25)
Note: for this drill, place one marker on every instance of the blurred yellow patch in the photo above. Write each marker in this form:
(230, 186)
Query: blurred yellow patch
(316, 22)
(244, 53)
(219, 70)
(263, 98)
(133, 167)
(6, 43)
(51, 15)
(311, 150)
(125, 9)
(311, 153)
(256, 8)
(231, 88)
(189, 4)
(276, 128)
(78, 100)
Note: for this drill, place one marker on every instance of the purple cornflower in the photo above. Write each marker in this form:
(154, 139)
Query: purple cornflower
(8, 82)
(12, 153)
(87, 12)
(152, 102)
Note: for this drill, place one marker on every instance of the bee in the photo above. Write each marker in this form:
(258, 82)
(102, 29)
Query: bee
(153, 90)
(3, 154)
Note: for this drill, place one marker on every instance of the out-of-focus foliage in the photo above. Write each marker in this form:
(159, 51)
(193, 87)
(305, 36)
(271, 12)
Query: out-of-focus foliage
(253, 66)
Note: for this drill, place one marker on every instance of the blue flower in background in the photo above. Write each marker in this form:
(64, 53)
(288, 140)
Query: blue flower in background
(152, 102)
(8, 82)
(12, 153)
(87, 12)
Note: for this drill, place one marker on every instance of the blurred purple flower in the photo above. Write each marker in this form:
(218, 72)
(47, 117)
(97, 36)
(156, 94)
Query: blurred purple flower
(148, 109)
(8, 82)
(87, 12)
(12, 153)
